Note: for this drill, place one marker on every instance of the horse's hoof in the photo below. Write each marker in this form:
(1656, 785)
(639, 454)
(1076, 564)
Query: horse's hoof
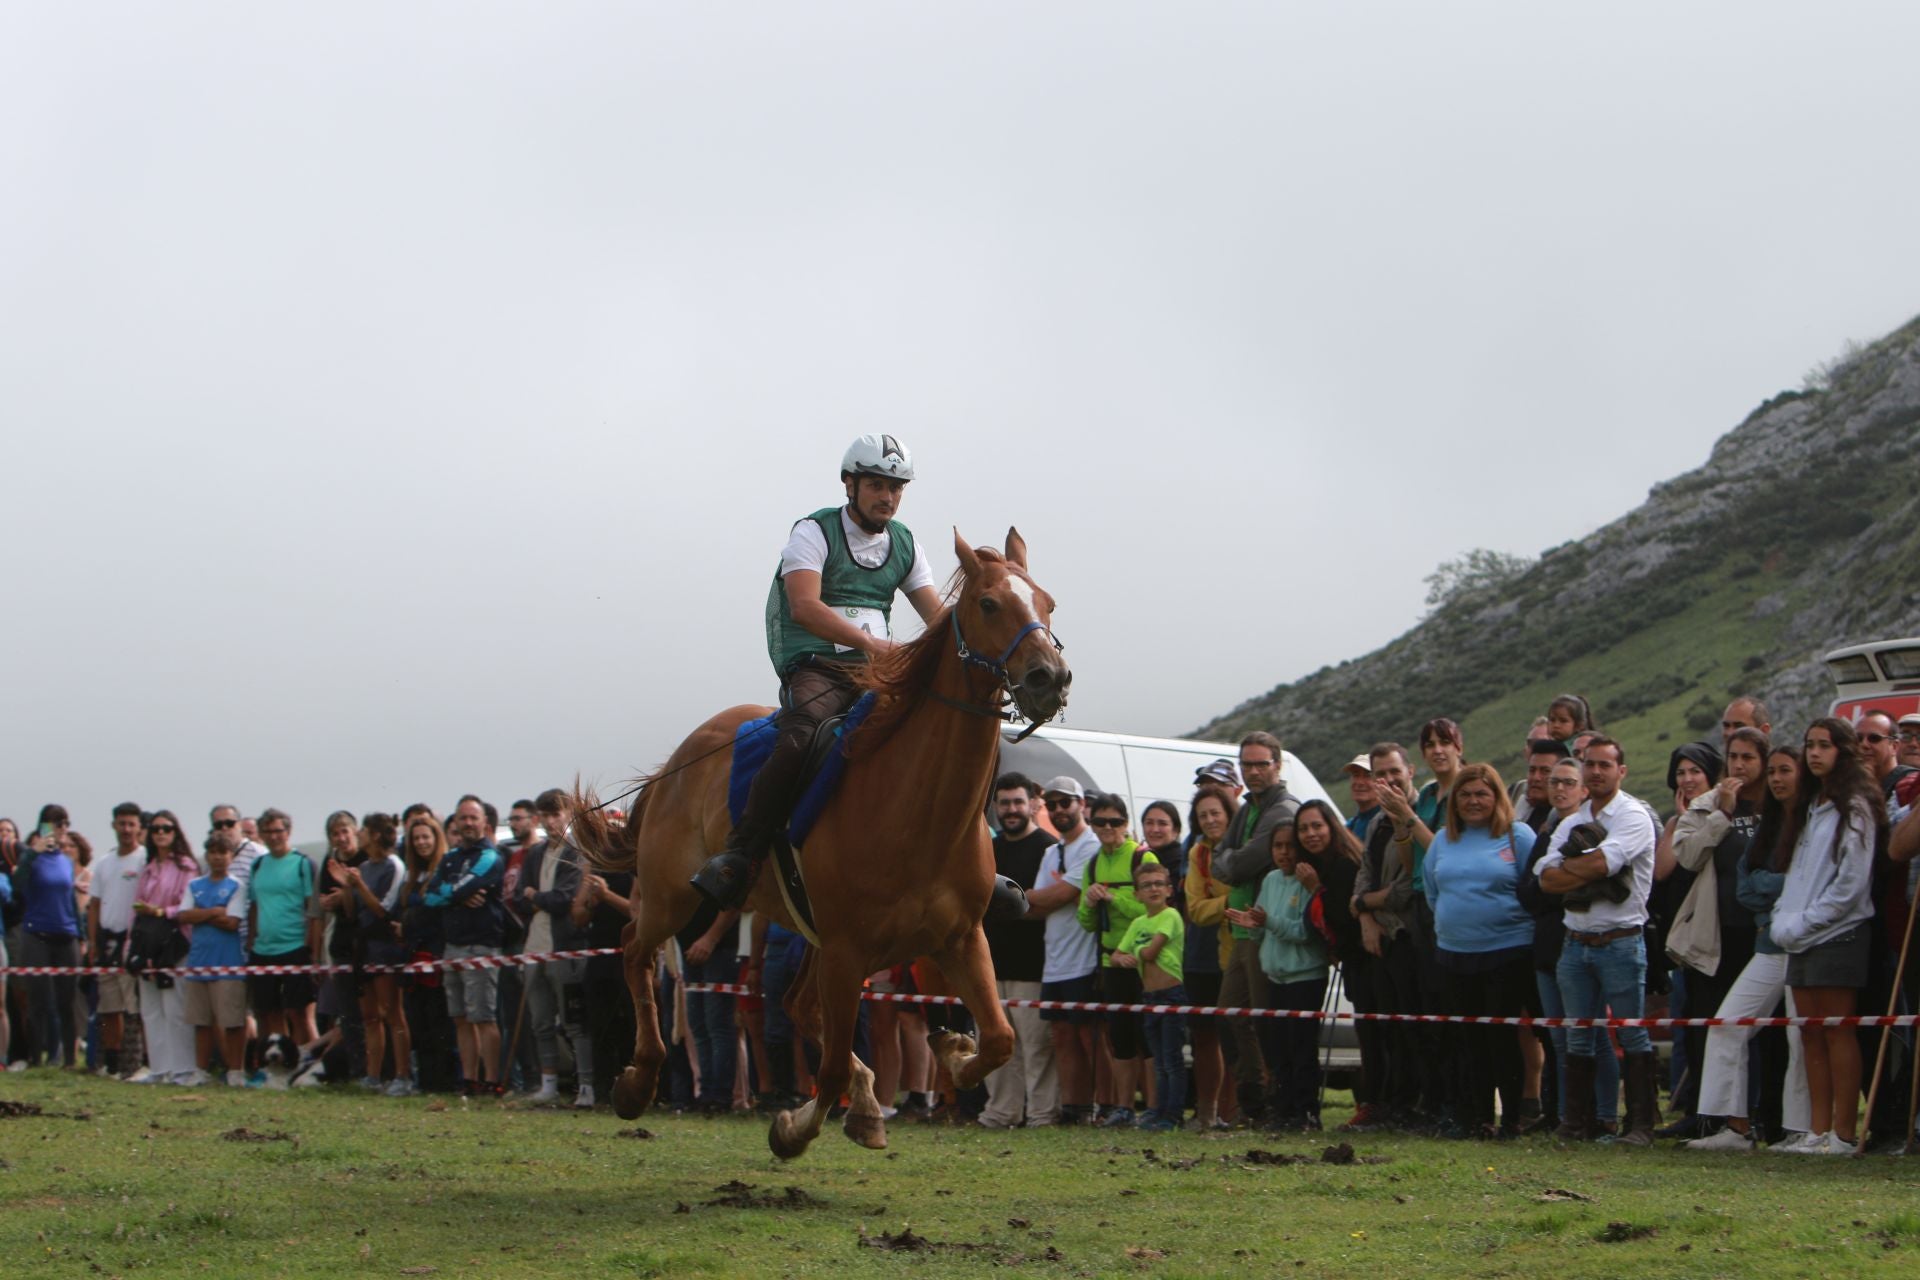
(869, 1131)
(946, 1042)
(782, 1139)
(630, 1096)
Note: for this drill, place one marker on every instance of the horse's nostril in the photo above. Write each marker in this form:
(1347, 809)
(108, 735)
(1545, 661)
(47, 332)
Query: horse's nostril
(1038, 679)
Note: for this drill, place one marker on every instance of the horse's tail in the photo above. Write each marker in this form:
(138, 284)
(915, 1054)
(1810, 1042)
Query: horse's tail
(607, 844)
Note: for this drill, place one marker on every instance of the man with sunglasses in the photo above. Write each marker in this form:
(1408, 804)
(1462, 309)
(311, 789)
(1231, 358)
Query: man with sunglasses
(1072, 954)
(1907, 749)
(1879, 749)
(225, 817)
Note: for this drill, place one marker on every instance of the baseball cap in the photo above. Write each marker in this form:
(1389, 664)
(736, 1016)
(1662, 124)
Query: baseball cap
(1220, 770)
(1065, 786)
(1911, 719)
(1362, 763)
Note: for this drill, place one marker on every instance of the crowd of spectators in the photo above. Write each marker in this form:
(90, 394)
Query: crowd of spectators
(1775, 875)
(255, 913)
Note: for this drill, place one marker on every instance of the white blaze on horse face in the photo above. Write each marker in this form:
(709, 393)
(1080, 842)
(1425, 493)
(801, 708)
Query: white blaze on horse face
(1023, 592)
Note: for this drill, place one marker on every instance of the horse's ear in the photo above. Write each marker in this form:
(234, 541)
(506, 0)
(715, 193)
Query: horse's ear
(1016, 547)
(968, 560)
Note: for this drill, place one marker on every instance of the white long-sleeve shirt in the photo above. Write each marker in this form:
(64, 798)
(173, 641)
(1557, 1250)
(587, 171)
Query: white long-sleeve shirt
(1631, 837)
(1824, 897)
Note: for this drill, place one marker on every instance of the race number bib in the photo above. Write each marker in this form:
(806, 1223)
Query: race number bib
(871, 621)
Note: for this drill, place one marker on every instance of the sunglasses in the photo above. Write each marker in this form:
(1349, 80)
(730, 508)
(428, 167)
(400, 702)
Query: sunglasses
(161, 830)
(1108, 822)
(1061, 802)
(223, 824)
(1875, 738)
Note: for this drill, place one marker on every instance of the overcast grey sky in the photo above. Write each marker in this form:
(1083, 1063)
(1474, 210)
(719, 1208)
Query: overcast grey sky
(407, 399)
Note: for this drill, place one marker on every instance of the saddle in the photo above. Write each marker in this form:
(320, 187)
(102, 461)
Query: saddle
(825, 765)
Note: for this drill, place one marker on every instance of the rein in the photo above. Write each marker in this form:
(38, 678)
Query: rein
(998, 669)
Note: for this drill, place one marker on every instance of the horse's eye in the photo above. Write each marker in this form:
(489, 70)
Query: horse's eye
(989, 605)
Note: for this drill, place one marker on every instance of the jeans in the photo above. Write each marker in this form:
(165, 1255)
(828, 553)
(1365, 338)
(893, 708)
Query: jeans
(1166, 1035)
(714, 1035)
(1612, 977)
(553, 1015)
(1606, 1067)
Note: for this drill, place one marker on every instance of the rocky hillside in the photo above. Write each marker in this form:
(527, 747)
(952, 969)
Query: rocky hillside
(1801, 533)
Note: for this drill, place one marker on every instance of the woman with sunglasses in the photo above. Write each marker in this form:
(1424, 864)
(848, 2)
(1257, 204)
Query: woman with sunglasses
(1107, 906)
(1822, 921)
(170, 868)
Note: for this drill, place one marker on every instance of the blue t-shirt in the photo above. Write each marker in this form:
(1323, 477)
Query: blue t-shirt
(213, 945)
(1471, 884)
(46, 893)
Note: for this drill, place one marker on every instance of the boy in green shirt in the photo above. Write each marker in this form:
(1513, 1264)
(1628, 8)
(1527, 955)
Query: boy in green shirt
(1153, 944)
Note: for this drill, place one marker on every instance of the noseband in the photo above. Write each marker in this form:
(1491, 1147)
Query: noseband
(998, 669)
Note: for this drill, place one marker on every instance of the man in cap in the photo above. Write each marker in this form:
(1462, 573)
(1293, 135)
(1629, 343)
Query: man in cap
(1072, 954)
(1366, 804)
(1909, 746)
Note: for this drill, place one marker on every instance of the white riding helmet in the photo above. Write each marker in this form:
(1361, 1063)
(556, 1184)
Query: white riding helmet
(877, 456)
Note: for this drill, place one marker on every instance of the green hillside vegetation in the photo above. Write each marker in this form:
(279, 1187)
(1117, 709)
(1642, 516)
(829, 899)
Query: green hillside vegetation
(1802, 532)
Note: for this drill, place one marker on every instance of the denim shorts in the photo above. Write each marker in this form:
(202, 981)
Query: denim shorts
(1844, 961)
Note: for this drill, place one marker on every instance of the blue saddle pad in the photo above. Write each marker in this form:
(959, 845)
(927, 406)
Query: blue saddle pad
(753, 743)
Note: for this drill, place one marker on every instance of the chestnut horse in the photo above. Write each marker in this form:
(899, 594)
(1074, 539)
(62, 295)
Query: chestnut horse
(899, 864)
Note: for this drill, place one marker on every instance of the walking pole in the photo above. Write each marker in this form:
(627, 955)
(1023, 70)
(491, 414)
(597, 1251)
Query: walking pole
(1880, 1058)
(1913, 1100)
(1327, 1007)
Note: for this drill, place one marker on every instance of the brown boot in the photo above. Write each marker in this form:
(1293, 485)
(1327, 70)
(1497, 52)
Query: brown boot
(1643, 1102)
(1577, 1124)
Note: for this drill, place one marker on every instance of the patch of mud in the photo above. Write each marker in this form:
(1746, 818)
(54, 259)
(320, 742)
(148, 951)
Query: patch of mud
(11, 1110)
(244, 1134)
(742, 1195)
(907, 1240)
(635, 1132)
(1621, 1232)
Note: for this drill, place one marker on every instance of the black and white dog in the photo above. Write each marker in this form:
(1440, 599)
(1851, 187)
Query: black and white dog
(280, 1059)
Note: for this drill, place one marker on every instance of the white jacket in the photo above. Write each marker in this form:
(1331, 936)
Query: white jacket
(1823, 898)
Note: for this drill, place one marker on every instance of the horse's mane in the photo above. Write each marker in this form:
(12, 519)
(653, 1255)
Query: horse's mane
(899, 679)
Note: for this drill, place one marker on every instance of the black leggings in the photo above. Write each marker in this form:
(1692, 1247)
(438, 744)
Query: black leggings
(1487, 1059)
(50, 999)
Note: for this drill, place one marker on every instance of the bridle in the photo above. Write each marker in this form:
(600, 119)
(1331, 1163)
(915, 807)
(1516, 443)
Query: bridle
(1004, 693)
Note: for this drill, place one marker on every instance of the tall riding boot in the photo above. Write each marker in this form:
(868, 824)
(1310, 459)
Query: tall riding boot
(727, 877)
(1643, 1103)
(1577, 1124)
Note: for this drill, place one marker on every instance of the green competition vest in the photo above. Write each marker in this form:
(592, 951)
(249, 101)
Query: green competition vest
(845, 584)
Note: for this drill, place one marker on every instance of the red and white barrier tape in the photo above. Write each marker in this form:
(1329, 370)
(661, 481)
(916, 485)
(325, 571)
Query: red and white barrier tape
(1095, 1006)
(467, 964)
(472, 963)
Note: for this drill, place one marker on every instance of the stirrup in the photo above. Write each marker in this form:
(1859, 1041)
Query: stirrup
(726, 879)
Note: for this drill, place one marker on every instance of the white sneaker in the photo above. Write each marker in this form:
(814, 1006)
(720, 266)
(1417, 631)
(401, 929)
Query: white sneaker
(1727, 1139)
(142, 1076)
(1805, 1145)
(401, 1087)
(17, 1066)
(236, 1079)
(549, 1090)
(1836, 1146)
(583, 1100)
(191, 1079)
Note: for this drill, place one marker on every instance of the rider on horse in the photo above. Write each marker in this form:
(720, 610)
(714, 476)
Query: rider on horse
(829, 610)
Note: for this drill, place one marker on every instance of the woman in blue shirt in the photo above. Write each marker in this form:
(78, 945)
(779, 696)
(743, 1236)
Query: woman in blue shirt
(1485, 943)
(46, 886)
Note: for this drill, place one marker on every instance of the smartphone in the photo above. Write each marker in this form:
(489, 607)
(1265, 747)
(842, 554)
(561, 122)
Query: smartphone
(47, 831)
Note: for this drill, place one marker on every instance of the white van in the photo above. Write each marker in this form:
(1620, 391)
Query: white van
(1141, 770)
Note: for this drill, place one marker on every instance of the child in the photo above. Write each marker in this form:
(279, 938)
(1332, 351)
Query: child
(1293, 955)
(216, 1004)
(1153, 946)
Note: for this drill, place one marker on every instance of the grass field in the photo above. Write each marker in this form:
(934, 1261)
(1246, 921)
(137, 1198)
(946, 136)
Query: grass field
(121, 1181)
